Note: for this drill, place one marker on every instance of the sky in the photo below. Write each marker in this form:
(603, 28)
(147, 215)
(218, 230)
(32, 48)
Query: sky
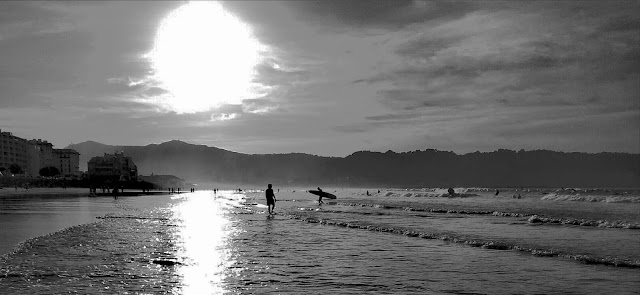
(325, 77)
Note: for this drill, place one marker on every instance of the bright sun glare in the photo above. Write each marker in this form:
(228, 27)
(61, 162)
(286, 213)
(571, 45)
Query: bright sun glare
(205, 57)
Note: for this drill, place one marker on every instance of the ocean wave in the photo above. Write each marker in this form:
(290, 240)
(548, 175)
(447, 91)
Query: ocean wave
(486, 244)
(591, 198)
(533, 218)
(584, 222)
(431, 193)
(563, 194)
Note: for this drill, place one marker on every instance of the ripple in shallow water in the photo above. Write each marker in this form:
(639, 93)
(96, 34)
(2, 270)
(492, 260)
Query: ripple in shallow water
(110, 256)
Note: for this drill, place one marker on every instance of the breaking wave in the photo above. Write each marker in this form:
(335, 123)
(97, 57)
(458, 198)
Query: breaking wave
(591, 198)
(486, 244)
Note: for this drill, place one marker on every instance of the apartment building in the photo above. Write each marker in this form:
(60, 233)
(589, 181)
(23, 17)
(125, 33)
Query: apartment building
(13, 149)
(67, 161)
(40, 155)
(33, 155)
(113, 167)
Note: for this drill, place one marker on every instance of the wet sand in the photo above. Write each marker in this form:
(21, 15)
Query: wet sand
(40, 191)
(73, 191)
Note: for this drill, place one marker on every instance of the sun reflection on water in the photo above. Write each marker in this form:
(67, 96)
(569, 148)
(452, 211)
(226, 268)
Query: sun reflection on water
(203, 242)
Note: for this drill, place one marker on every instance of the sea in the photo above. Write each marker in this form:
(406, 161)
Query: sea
(367, 241)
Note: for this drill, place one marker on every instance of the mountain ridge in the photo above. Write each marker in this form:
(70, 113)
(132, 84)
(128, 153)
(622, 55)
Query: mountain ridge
(427, 168)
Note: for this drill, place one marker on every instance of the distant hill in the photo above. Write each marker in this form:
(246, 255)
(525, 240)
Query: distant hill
(90, 149)
(428, 168)
(164, 158)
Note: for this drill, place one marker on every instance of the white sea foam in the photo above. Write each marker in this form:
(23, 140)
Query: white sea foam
(421, 193)
(571, 194)
(592, 198)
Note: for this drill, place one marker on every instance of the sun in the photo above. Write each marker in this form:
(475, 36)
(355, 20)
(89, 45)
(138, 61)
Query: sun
(204, 57)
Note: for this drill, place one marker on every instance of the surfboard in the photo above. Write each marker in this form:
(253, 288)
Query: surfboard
(323, 194)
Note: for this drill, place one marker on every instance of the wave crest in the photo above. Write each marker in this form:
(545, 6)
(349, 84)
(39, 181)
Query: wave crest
(591, 198)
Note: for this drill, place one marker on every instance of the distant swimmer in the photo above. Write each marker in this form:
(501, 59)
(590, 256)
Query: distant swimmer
(451, 191)
(271, 199)
(497, 192)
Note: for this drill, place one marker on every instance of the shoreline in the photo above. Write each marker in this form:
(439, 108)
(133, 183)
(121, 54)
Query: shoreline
(10, 191)
(72, 191)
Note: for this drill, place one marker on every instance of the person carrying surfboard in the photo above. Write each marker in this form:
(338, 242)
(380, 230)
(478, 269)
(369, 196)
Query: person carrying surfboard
(320, 196)
(271, 199)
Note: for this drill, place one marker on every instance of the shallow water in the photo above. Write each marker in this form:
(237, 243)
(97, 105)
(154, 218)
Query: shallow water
(203, 243)
(28, 216)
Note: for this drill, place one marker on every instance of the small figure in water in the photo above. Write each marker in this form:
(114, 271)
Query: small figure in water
(320, 197)
(497, 192)
(451, 192)
(271, 199)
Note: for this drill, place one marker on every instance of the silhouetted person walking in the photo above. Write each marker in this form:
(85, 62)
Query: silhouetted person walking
(271, 199)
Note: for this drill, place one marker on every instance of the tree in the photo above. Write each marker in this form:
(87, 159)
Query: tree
(15, 169)
(49, 171)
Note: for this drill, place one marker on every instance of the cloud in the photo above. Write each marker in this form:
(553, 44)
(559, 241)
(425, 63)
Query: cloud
(223, 116)
(394, 117)
(33, 65)
(360, 74)
(378, 13)
(18, 18)
(623, 23)
(154, 91)
(512, 57)
(51, 51)
(414, 99)
(353, 128)
(274, 73)
(258, 106)
(568, 128)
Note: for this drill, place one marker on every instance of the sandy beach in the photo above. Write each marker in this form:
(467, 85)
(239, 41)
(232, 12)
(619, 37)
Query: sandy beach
(73, 191)
(42, 191)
